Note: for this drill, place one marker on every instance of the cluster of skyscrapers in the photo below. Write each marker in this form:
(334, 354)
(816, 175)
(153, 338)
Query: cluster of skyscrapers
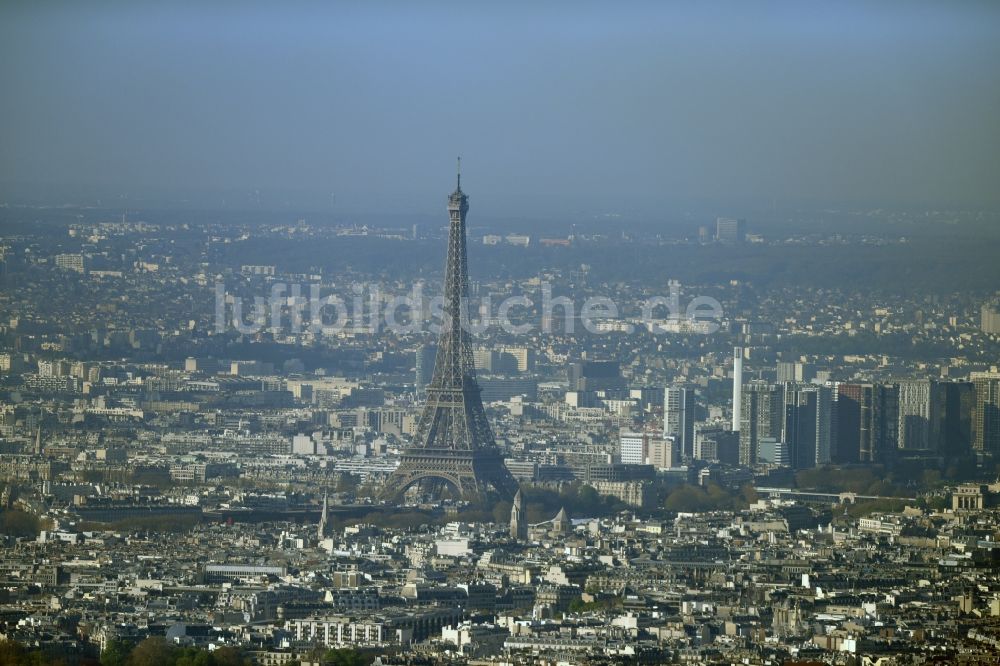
(786, 424)
(805, 425)
(800, 422)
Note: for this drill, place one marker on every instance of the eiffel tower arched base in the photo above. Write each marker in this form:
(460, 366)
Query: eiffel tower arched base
(475, 476)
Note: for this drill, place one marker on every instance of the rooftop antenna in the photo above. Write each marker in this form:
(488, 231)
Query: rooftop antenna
(459, 170)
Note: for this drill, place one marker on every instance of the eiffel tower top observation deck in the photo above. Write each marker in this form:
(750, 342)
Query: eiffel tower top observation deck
(453, 443)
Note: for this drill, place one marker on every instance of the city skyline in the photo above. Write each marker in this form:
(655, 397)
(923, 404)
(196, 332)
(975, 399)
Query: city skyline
(711, 374)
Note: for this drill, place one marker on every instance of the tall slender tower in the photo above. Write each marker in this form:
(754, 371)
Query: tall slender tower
(737, 387)
(321, 528)
(453, 445)
(678, 417)
(518, 522)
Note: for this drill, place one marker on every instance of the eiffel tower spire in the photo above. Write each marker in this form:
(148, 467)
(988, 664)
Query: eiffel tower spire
(453, 444)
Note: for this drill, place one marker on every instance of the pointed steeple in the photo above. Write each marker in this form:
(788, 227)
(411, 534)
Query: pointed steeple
(560, 524)
(518, 524)
(321, 528)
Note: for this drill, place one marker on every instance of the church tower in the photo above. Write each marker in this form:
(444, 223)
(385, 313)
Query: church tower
(321, 527)
(560, 524)
(518, 523)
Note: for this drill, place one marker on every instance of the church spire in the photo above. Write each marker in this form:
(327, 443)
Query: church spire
(321, 528)
(518, 524)
(560, 524)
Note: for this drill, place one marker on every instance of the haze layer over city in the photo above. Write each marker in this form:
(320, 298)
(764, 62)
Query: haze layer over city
(499, 333)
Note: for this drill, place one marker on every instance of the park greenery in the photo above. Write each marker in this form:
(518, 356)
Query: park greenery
(156, 651)
(17, 523)
(689, 498)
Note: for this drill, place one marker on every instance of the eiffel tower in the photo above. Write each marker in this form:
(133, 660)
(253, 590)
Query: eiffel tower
(453, 445)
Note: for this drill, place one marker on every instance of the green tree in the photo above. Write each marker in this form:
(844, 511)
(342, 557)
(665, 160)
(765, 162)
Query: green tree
(347, 483)
(115, 653)
(501, 512)
(12, 653)
(229, 656)
(154, 651)
(687, 498)
(193, 657)
(17, 523)
(346, 657)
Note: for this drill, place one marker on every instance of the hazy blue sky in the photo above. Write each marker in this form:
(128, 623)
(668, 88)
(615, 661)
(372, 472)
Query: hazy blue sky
(559, 108)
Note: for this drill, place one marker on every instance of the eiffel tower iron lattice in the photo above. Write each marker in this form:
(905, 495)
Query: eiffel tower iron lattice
(453, 443)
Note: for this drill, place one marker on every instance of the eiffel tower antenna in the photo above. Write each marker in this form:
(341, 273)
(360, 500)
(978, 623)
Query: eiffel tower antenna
(453, 444)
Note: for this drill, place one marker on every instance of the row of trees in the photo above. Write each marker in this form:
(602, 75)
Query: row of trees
(903, 479)
(156, 651)
(688, 498)
(17, 523)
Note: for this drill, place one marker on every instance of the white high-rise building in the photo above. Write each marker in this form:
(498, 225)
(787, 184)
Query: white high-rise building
(989, 318)
(678, 417)
(663, 452)
(70, 262)
(632, 448)
(303, 445)
(737, 387)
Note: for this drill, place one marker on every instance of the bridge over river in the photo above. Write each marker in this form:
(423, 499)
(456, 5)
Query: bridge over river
(823, 498)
